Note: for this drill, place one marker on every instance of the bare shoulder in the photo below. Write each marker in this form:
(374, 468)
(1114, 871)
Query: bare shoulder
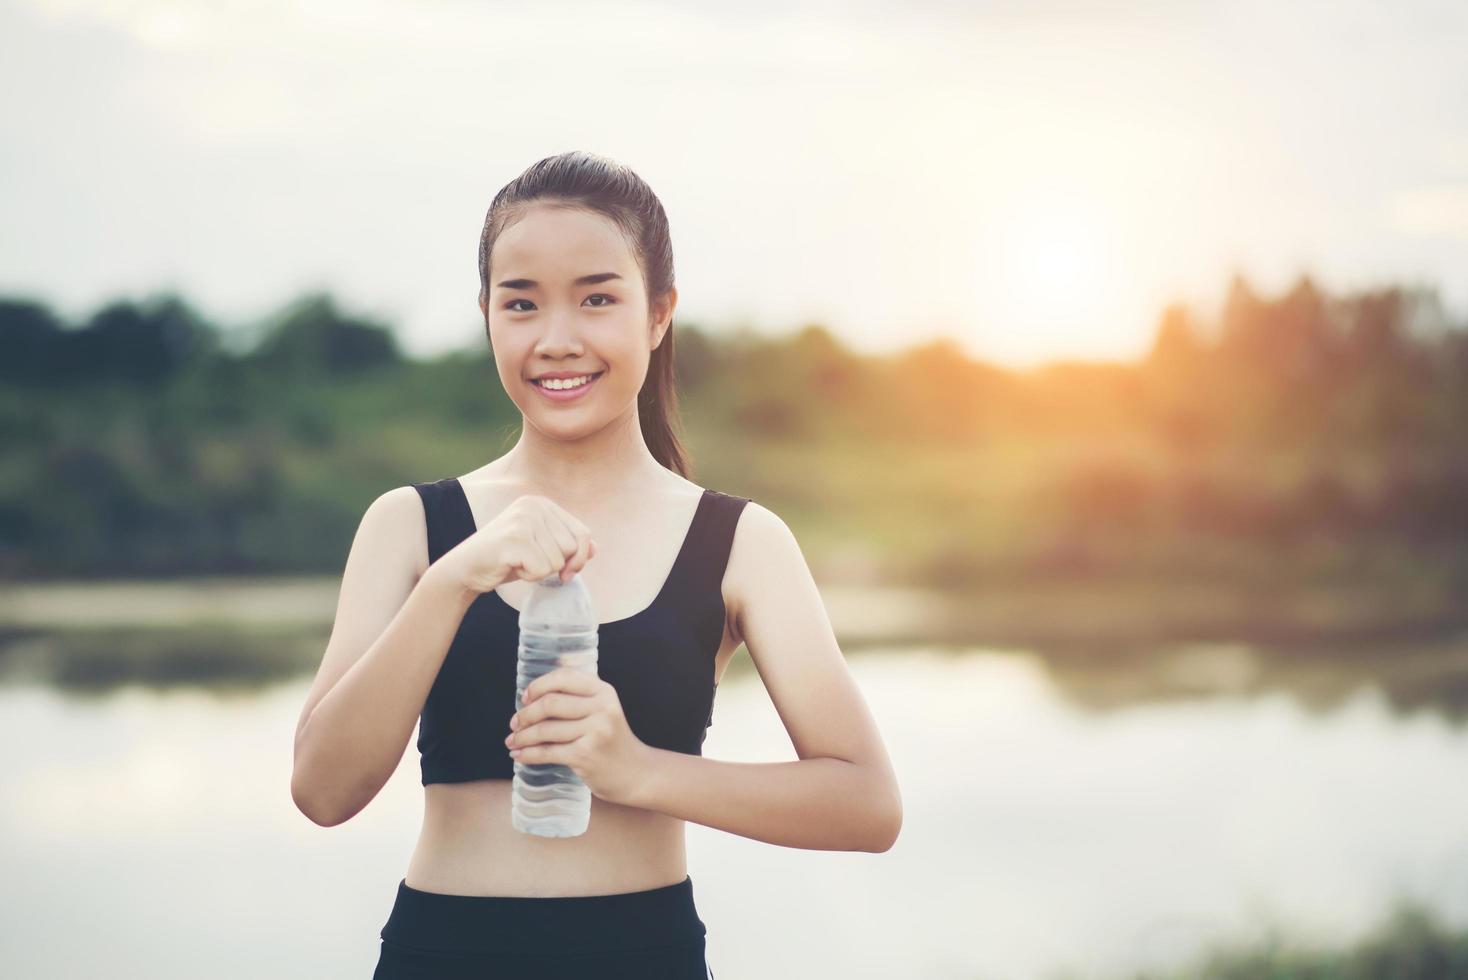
(397, 522)
(399, 501)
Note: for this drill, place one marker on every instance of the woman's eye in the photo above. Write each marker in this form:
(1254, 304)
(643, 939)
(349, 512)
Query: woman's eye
(610, 300)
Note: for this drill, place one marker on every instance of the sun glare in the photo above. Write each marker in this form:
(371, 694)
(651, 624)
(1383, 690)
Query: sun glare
(1049, 276)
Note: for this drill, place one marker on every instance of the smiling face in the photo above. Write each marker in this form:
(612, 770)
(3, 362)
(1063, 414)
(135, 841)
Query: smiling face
(567, 297)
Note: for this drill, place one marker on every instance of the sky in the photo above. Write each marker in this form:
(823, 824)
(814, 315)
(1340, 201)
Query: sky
(1036, 180)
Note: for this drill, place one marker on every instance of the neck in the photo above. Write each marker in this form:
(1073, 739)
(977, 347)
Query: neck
(601, 465)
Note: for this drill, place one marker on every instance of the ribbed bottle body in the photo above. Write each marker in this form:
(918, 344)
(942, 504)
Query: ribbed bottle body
(557, 629)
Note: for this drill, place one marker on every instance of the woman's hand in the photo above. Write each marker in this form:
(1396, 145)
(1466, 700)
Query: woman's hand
(572, 718)
(532, 538)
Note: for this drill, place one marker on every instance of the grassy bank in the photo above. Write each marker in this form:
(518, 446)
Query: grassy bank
(1410, 945)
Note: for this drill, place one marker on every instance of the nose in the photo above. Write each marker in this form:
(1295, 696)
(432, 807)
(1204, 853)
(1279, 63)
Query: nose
(559, 339)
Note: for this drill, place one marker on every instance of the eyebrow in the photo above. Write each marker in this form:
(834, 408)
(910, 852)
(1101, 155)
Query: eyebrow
(590, 280)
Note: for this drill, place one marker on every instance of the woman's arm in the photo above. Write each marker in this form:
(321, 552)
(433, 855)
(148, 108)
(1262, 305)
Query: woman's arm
(819, 804)
(842, 793)
(389, 639)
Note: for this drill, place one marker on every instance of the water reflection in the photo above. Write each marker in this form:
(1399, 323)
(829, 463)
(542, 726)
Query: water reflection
(97, 661)
(1058, 813)
(1429, 674)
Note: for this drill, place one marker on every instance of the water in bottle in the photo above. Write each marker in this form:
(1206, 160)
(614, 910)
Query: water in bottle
(557, 629)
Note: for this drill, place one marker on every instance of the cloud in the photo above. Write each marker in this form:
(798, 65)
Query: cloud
(1433, 211)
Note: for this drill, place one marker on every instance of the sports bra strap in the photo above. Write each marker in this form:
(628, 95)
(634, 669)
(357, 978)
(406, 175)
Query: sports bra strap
(702, 562)
(447, 514)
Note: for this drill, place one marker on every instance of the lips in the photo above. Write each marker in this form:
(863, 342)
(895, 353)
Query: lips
(569, 394)
(558, 376)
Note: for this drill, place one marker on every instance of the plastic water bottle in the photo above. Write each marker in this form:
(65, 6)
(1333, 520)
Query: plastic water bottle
(557, 629)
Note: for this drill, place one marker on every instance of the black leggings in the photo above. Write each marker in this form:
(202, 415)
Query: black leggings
(632, 935)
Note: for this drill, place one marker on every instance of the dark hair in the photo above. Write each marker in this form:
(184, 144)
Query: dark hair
(577, 179)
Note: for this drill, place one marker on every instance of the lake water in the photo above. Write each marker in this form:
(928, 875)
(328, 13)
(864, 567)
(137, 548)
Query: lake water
(151, 832)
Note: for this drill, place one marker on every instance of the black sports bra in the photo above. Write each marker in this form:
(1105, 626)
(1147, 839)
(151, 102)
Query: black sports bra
(660, 660)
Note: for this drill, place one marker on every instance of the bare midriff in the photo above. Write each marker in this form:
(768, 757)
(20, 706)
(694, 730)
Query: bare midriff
(468, 847)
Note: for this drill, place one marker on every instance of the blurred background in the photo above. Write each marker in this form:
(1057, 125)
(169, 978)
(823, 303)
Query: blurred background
(1110, 363)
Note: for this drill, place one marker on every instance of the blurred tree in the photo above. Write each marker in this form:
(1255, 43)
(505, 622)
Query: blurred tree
(695, 357)
(30, 339)
(1177, 344)
(141, 343)
(1390, 374)
(1242, 321)
(1173, 372)
(826, 367)
(1305, 414)
(1376, 332)
(1302, 338)
(311, 337)
(938, 394)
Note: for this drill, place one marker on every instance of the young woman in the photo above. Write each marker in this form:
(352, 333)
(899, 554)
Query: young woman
(576, 284)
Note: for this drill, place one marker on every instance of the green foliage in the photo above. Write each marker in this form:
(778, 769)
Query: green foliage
(1308, 435)
(140, 343)
(311, 339)
(1410, 945)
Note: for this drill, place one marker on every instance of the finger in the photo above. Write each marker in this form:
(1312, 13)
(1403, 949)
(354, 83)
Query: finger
(562, 542)
(570, 553)
(582, 554)
(556, 730)
(564, 528)
(571, 679)
(557, 704)
(548, 754)
(545, 541)
(585, 547)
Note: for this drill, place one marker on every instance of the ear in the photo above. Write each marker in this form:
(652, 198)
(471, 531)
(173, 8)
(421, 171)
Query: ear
(663, 316)
(483, 305)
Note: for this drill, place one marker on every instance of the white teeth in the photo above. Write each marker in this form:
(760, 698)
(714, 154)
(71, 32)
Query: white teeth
(563, 383)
